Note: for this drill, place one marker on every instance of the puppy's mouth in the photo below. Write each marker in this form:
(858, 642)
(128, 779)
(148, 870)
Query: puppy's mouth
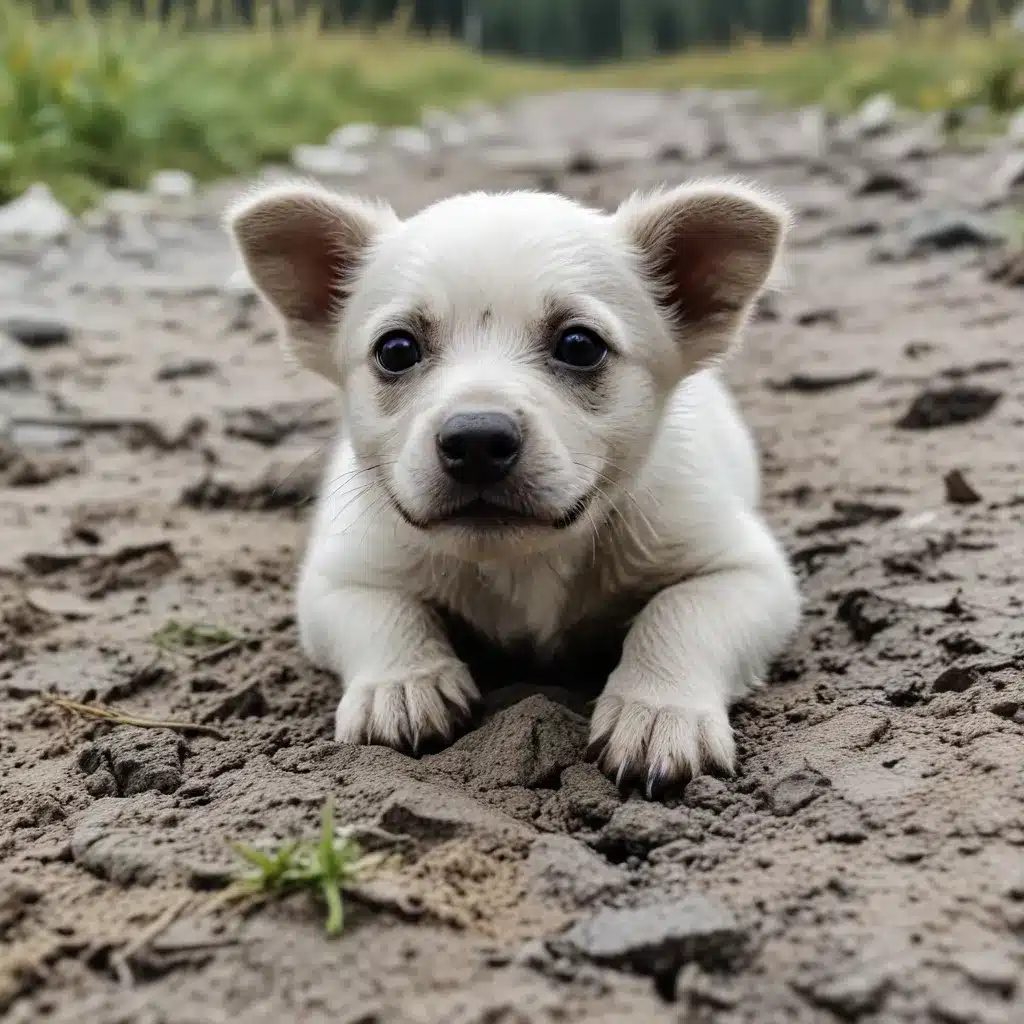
(484, 515)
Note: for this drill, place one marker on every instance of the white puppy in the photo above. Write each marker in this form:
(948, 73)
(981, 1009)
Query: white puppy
(534, 440)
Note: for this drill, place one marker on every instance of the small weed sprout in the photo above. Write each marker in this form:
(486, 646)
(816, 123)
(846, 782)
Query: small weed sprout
(325, 868)
(190, 637)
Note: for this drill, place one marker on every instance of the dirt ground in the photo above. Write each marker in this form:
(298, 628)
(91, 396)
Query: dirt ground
(867, 863)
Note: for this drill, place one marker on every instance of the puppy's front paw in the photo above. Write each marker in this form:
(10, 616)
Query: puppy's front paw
(658, 743)
(404, 712)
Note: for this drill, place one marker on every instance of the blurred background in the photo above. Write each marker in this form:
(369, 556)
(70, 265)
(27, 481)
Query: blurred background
(101, 94)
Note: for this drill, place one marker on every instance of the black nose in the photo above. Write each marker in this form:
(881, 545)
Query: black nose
(479, 448)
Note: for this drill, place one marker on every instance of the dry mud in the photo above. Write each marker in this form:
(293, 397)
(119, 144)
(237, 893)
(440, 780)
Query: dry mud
(867, 862)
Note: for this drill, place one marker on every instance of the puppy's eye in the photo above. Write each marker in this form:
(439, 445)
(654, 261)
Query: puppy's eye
(397, 352)
(580, 348)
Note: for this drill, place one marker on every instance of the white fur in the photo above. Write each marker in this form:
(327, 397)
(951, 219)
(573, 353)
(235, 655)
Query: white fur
(673, 523)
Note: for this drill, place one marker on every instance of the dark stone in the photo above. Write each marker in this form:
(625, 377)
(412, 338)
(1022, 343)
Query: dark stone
(959, 490)
(903, 693)
(945, 407)
(813, 317)
(884, 181)
(865, 613)
(245, 702)
(36, 328)
(812, 384)
(850, 514)
(946, 231)
(1007, 268)
(14, 370)
(1006, 708)
(960, 643)
(956, 680)
(186, 368)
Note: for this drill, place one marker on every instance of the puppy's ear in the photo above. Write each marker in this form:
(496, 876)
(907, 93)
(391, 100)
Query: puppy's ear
(707, 249)
(302, 247)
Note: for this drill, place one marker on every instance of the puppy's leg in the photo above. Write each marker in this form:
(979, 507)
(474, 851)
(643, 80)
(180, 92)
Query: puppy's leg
(402, 682)
(663, 716)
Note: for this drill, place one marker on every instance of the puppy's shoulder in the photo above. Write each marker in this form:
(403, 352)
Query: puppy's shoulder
(704, 449)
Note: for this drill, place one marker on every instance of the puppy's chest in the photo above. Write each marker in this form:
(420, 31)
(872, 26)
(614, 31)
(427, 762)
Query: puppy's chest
(543, 607)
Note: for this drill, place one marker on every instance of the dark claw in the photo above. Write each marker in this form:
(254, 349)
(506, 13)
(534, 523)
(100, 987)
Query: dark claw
(626, 777)
(595, 750)
(656, 783)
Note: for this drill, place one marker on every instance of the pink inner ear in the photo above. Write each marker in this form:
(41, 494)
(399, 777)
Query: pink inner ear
(308, 248)
(696, 264)
(313, 250)
(301, 251)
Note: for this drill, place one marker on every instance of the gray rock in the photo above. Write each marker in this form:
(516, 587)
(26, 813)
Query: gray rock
(26, 422)
(410, 141)
(877, 115)
(916, 143)
(445, 128)
(811, 137)
(239, 285)
(637, 827)
(659, 939)
(796, 791)
(172, 184)
(354, 136)
(1015, 129)
(35, 327)
(853, 991)
(611, 155)
(562, 869)
(124, 202)
(329, 162)
(134, 241)
(35, 216)
(529, 159)
(1009, 176)
(485, 125)
(14, 370)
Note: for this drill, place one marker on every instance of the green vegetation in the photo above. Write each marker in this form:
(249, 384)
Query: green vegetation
(92, 101)
(323, 868)
(191, 636)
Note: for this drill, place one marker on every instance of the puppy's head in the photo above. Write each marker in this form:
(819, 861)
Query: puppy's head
(505, 359)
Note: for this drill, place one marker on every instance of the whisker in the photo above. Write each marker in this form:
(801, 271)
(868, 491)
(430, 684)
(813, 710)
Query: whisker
(359, 493)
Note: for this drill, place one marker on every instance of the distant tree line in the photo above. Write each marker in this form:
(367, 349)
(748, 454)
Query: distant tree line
(576, 31)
